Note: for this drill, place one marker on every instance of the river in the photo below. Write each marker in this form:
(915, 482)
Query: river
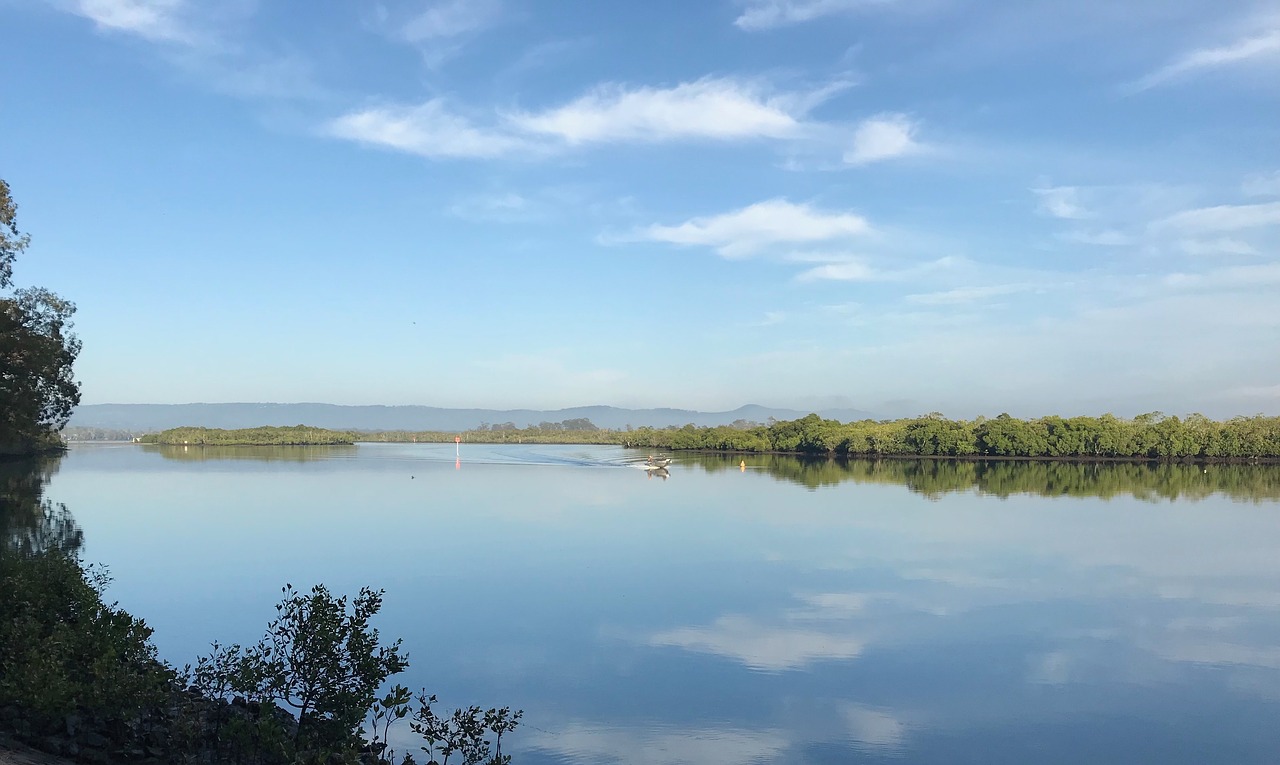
(726, 614)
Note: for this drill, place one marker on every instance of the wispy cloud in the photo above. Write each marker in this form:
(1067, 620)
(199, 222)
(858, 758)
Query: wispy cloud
(708, 109)
(883, 137)
(450, 18)
(1217, 246)
(968, 294)
(155, 20)
(1254, 47)
(852, 270)
(206, 42)
(1103, 238)
(713, 108)
(430, 130)
(768, 14)
(1262, 185)
(1061, 202)
(1266, 275)
(760, 226)
(1222, 218)
(507, 207)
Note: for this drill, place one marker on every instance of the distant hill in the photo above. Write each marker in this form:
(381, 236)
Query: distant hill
(155, 417)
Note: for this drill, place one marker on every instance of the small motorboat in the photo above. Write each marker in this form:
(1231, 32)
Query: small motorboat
(657, 463)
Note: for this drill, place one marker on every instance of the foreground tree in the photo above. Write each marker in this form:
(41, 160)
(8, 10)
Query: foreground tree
(37, 351)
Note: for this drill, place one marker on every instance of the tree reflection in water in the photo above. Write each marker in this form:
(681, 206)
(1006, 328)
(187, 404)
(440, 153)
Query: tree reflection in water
(933, 478)
(30, 524)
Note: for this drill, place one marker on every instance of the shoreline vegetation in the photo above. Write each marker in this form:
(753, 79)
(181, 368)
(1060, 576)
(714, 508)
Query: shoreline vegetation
(297, 435)
(1147, 437)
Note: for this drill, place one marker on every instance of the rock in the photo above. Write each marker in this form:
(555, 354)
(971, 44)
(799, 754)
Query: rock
(73, 723)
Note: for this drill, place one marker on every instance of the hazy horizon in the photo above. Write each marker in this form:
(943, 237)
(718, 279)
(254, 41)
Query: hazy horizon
(890, 410)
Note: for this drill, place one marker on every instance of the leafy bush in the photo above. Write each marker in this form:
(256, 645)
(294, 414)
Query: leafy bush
(64, 651)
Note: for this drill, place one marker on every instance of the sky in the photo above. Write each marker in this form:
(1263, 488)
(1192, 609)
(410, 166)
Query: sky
(901, 206)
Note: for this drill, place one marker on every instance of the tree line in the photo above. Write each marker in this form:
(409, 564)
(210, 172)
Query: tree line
(1152, 436)
(296, 435)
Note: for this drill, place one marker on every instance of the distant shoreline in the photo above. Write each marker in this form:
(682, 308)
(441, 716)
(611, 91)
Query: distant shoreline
(817, 457)
(1147, 438)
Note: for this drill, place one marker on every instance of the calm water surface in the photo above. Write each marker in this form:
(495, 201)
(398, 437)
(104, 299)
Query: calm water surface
(789, 612)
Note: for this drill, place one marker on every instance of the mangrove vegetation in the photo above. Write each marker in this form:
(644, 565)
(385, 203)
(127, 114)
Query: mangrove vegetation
(1152, 436)
(297, 435)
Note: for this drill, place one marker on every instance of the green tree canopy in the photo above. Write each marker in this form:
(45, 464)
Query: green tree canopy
(37, 350)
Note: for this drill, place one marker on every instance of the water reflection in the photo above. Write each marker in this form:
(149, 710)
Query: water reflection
(256, 453)
(923, 611)
(935, 478)
(30, 524)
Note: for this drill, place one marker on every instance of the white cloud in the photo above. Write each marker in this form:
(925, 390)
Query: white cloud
(1061, 202)
(846, 271)
(850, 268)
(1261, 46)
(1263, 185)
(767, 14)
(1235, 277)
(429, 130)
(1219, 246)
(450, 18)
(968, 295)
(719, 109)
(206, 42)
(155, 20)
(1103, 238)
(1222, 218)
(506, 207)
(883, 137)
(709, 109)
(762, 647)
(759, 226)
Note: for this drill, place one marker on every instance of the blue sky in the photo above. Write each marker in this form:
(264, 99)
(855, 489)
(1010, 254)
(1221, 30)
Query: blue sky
(896, 205)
